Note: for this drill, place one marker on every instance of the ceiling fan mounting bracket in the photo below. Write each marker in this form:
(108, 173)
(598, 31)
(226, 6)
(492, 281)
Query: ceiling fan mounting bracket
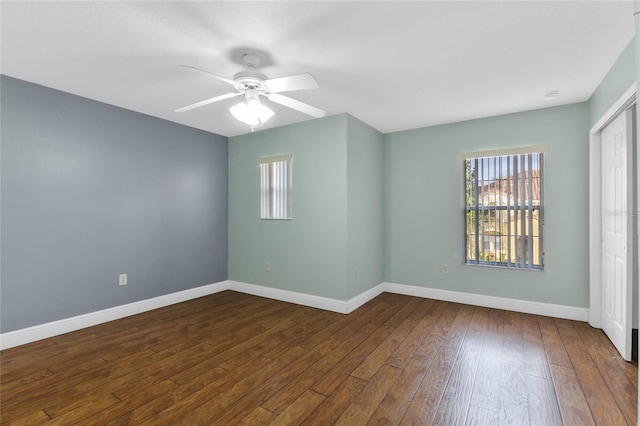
(250, 60)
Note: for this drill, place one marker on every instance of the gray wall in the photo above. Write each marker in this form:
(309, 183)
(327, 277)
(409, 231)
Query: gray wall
(90, 191)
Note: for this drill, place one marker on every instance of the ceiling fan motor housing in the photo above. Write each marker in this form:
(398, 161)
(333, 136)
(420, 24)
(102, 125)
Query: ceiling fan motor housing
(247, 80)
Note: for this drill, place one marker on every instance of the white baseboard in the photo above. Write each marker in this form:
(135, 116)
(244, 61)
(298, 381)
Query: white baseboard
(55, 328)
(517, 305)
(43, 331)
(359, 300)
(328, 304)
(320, 302)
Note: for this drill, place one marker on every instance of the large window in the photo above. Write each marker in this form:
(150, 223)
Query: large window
(275, 187)
(503, 211)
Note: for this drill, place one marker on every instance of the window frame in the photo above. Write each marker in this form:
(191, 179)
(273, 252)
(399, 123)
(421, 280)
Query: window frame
(275, 192)
(522, 212)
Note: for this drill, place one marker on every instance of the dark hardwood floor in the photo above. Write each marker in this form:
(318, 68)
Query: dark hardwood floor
(231, 358)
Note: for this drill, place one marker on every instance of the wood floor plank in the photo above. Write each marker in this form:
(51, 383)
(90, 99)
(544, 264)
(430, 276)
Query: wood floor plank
(83, 381)
(214, 400)
(455, 401)
(19, 363)
(484, 405)
(279, 401)
(601, 348)
(16, 380)
(260, 395)
(535, 357)
(363, 406)
(371, 364)
(603, 406)
(543, 405)
(401, 315)
(426, 401)
(239, 399)
(86, 410)
(343, 327)
(16, 366)
(482, 416)
(622, 389)
(400, 357)
(617, 382)
(556, 352)
(394, 405)
(422, 310)
(572, 401)
(337, 374)
(131, 401)
(422, 408)
(37, 417)
(514, 404)
(300, 409)
(188, 393)
(571, 340)
(335, 404)
(232, 358)
(395, 309)
(204, 360)
(167, 364)
(258, 417)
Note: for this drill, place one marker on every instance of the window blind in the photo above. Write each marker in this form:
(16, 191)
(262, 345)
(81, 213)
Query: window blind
(504, 210)
(275, 187)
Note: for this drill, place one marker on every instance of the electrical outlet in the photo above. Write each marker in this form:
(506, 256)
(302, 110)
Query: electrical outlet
(122, 279)
(267, 266)
(445, 269)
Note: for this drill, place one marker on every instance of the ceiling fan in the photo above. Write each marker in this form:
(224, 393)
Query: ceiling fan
(252, 85)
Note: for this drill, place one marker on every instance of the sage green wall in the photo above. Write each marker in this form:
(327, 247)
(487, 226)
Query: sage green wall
(423, 223)
(390, 208)
(333, 246)
(619, 78)
(364, 206)
(308, 254)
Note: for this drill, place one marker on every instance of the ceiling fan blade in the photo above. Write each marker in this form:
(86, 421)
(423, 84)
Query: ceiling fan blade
(292, 82)
(297, 105)
(208, 101)
(226, 80)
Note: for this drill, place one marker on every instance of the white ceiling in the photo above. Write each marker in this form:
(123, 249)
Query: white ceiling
(394, 65)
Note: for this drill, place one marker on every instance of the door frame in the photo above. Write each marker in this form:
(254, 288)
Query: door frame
(595, 214)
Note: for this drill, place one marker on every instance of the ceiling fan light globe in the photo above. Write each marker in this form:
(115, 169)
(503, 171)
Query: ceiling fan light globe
(251, 112)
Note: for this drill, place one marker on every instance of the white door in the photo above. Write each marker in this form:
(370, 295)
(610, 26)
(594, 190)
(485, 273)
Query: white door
(617, 247)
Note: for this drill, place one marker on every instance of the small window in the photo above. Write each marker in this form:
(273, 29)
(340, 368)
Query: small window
(503, 210)
(275, 187)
